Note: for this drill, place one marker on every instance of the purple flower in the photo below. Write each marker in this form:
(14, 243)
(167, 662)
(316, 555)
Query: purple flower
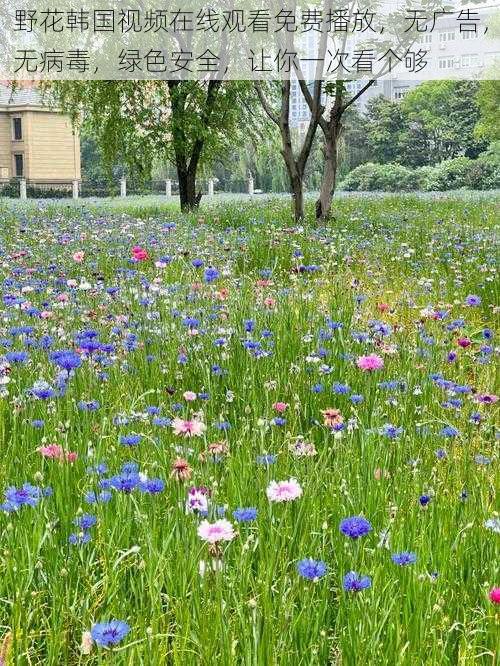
(404, 558)
(353, 582)
(472, 300)
(355, 527)
(311, 569)
(109, 633)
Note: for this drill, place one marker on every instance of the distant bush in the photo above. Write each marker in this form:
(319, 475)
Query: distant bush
(371, 177)
(482, 173)
(10, 189)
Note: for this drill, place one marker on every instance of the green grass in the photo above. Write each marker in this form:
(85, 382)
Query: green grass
(416, 254)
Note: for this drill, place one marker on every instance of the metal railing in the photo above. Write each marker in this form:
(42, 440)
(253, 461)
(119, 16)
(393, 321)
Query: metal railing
(44, 189)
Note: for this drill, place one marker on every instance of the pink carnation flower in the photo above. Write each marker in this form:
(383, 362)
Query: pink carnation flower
(495, 595)
(283, 491)
(188, 427)
(280, 407)
(56, 452)
(79, 256)
(189, 396)
(221, 530)
(139, 253)
(370, 362)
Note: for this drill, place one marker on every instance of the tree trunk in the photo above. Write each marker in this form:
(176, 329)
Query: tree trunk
(329, 180)
(187, 189)
(298, 198)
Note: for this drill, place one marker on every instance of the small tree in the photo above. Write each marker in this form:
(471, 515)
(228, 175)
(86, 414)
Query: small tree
(185, 122)
(295, 161)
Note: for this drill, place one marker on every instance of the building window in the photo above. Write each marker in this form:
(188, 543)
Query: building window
(447, 36)
(426, 39)
(17, 129)
(470, 61)
(399, 93)
(19, 165)
(470, 34)
(446, 63)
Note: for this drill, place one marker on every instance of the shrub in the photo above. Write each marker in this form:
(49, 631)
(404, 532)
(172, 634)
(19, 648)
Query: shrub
(371, 177)
(460, 172)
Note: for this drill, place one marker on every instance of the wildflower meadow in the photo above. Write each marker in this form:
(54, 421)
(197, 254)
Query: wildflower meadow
(228, 438)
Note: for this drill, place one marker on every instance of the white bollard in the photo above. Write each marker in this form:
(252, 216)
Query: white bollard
(75, 189)
(123, 187)
(250, 185)
(210, 187)
(22, 189)
(168, 187)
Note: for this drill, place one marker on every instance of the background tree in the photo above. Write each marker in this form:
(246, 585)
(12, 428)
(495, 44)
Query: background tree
(385, 121)
(446, 113)
(488, 102)
(185, 122)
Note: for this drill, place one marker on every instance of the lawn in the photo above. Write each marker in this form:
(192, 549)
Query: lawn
(246, 441)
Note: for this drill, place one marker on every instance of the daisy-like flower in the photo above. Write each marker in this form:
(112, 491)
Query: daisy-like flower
(188, 427)
(181, 470)
(220, 530)
(283, 491)
(332, 417)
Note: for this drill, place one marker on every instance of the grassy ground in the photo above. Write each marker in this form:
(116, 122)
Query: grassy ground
(284, 318)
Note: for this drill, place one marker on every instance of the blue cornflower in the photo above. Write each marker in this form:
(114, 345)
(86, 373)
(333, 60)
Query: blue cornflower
(479, 459)
(341, 389)
(356, 399)
(79, 539)
(354, 582)
(267, 459)
(472, 300)
(95, 498)
(161, 421)
(278, 421)
(66, 359)
(424, 500)
(197, 263)
(126, 482)
(211, 274)
(441, 454)
(25, 495)
(391, 431)
(38, 423)
(88, 405)
(355, 527)
(85, 521)
(130, 440)
(404, 558)
(17, 357)
(109, 633)
(449, 431)
(311, 569)
(130, 468)
(245, 515)
(42, 390)
(152, 486)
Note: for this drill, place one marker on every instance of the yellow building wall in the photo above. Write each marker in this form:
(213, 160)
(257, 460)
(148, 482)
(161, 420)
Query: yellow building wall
(53, 150)
(5, 141)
